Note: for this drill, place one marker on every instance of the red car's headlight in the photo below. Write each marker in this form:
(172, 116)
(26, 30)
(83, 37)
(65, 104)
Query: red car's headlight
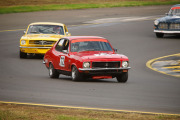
(125, 64)
(86, 64)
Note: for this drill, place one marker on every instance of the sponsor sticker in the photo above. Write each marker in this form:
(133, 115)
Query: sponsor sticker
(62, 59)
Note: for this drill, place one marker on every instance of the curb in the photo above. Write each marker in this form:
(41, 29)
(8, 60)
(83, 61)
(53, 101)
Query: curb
(169, 65)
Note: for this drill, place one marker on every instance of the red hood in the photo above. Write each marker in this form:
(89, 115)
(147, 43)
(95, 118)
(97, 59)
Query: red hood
(100, 55)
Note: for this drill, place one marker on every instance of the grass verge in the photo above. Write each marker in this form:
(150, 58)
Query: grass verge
(24, 112)
(42, 7)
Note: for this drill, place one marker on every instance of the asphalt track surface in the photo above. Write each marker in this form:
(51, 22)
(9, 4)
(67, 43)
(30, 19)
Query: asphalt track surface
(27, 80)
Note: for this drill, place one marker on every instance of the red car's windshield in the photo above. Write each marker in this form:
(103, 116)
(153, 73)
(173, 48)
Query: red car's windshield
(81, 46)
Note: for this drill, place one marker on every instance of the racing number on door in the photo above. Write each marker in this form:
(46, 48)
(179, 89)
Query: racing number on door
(62, 59)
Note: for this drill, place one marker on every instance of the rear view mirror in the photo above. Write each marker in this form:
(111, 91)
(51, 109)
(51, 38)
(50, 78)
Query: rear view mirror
(68, 34)
(115, 49)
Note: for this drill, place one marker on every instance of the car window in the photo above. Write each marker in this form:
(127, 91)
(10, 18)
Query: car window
(90, 46)
(45, 29)
(63, 44)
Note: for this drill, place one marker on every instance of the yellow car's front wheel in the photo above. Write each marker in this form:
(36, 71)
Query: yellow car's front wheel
(22, 54)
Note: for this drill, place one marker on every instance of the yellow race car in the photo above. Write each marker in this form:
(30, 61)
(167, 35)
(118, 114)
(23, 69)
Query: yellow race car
(40, 37)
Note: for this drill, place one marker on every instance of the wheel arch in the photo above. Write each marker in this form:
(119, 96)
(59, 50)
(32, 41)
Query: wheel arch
(73, 66)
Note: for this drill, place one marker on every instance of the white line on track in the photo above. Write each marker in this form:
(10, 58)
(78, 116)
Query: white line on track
(107, 20)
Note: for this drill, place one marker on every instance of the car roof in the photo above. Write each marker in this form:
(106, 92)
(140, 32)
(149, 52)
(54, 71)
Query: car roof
(46, 23)
(83, 37)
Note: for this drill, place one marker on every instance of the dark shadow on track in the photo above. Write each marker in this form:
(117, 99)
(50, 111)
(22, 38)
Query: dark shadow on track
(67, 78)
(172, 36)
(38, 57)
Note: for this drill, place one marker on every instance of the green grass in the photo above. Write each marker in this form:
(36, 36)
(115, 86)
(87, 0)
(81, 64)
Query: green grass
(62, 117)
(24, 112)
(33, 8)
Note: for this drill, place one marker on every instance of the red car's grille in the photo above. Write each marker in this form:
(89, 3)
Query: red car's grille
(41, 42)
(106, 64)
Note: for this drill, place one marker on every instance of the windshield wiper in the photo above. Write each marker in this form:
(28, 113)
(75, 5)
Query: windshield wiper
(53, 32)
(34, 32)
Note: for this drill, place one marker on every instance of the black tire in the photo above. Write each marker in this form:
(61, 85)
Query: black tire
(53, 73)
(22, 55)
(76, 75)
(159, 35)
(122, 78)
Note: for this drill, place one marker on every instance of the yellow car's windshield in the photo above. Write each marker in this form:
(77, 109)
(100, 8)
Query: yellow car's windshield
(46, 29)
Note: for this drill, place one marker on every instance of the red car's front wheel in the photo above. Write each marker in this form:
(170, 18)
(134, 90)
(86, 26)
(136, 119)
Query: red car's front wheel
(53, 72)
(123, 77)
(76, 75)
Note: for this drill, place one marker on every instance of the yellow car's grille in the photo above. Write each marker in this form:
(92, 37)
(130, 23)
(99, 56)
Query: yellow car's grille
(174, 26)
(41, 42)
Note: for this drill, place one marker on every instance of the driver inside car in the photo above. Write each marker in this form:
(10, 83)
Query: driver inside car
(57, 29)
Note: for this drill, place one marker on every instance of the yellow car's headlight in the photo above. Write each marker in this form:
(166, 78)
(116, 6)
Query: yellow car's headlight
(86, 65)
(23, 42)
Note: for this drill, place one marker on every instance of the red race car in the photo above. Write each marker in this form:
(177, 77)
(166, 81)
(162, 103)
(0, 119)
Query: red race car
(86, 57)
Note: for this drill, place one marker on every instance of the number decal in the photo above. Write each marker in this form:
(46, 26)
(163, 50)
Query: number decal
(62, 59)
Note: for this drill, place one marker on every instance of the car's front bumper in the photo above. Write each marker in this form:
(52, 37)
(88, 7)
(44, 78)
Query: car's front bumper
(167, 32)
(35, 50)
(103, 71)
(100, 69)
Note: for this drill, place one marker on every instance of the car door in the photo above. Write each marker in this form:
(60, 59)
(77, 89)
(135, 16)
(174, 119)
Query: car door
(62, 53)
